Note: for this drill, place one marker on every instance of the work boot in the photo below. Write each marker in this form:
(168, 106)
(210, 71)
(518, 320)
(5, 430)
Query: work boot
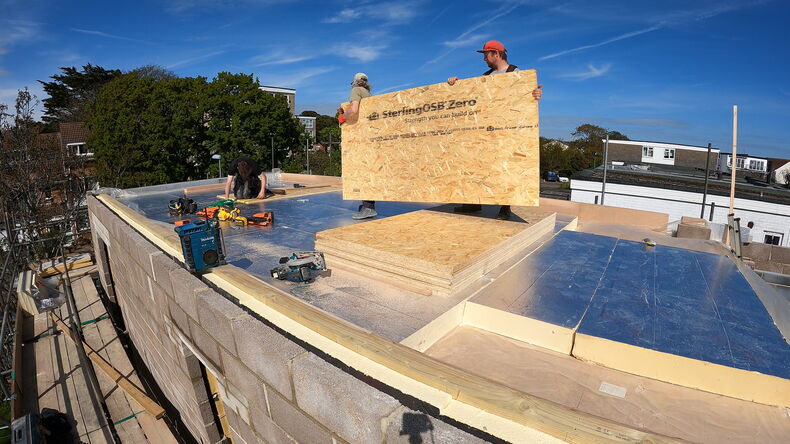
(504, 212)
(468, 208)
(364, 213)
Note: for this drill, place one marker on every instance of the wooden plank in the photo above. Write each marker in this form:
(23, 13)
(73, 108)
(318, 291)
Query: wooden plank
(474, 142)
(215, 397)
(147, 403)
(687, 372)
(469, 398)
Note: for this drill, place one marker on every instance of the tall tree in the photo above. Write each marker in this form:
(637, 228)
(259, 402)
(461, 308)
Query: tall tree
(42, 187)
(73, 92)
(244, 120)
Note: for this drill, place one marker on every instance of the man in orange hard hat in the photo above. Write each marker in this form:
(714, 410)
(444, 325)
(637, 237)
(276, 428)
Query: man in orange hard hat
(495, 56)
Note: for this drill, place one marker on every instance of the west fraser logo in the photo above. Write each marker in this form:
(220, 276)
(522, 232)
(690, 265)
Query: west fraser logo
(428, 107)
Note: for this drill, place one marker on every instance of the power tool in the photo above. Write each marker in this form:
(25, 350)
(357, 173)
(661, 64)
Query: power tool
(202, 245)
(301, 267)
(182, 205)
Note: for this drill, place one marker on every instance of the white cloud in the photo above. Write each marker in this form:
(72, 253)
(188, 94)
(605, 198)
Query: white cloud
(627, 35)
(359, 52)
(192, 60)
(394, 88)
(344, 16)
(390, 13)
(278, 60)
(109, 36)
(673, 19)
(474, 39)
(295, 79)
(591, 73)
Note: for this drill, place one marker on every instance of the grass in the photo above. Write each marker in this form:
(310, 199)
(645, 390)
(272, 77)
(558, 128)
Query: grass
(5, 413)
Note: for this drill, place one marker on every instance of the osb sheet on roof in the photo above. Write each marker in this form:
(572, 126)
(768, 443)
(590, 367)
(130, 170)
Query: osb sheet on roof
(439, 250)
(473, 142)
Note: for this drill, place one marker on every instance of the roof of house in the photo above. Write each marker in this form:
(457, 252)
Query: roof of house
(73, 132)
(665, 144)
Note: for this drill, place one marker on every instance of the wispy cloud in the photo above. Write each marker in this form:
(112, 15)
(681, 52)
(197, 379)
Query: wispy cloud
(466, 36)
(278, 59)
(296, 79)
(16, 31)
(187, 6)
(390, 13)
(591, 72)
(362, 53)
(344, 16)
(474, 39)
(670, 20)
(110, 36)
(196, 59)
(394, 88)
(627, 35)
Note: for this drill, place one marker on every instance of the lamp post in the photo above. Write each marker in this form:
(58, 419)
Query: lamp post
(219, 163)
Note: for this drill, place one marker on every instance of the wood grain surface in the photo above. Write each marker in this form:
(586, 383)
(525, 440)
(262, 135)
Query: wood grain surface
(473, 142)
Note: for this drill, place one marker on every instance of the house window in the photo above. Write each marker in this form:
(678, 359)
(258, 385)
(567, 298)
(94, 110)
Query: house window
(80, 149)
(773, 238)
(647, 151)
(669, 154)
(756, 165)
(740, 163)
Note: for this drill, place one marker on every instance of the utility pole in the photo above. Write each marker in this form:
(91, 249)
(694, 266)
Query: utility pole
(307, 152)
(734, 166)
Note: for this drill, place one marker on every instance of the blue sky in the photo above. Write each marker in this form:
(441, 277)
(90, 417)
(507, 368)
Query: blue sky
(665, 70)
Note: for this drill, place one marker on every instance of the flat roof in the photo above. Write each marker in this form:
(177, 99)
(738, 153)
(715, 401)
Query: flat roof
(664, 145)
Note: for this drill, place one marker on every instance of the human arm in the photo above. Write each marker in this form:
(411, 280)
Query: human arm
(351, 114)
(262, 193)
(228, 185)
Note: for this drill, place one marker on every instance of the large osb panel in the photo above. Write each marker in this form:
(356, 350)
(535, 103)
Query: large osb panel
(473, 142)
(435, 246)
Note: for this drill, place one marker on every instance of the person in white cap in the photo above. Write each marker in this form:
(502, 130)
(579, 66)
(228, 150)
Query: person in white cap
(360, 88)
(495, 56)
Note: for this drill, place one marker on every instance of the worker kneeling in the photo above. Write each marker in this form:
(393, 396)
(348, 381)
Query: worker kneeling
(246, 180)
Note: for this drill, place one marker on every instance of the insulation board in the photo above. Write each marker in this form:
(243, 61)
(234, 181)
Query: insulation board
(473, 142)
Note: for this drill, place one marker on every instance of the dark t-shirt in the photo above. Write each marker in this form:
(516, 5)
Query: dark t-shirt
(255, 169)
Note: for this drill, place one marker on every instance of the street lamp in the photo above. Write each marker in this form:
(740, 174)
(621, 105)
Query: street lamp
(219, 163)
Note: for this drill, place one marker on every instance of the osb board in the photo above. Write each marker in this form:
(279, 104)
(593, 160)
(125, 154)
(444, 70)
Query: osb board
(435, 242)
(473, 142)
(687, 372)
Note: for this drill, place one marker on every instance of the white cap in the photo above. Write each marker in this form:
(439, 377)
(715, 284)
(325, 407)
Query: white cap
(360, 76)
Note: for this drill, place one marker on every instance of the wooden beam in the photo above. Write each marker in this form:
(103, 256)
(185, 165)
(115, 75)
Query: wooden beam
(468, 398)
(145, 402)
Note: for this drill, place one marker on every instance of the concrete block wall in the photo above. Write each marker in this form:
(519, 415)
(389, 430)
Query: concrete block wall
(274, 389)
(767, 257)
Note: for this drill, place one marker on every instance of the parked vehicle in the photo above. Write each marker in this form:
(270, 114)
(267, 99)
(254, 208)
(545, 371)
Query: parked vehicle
(551, 176)
(563, 179)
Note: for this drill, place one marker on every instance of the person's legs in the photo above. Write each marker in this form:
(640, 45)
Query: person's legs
(468, 208)
(504, 212)
(366, 210)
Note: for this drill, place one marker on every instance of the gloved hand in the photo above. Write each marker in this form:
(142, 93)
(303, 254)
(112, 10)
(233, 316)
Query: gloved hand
(340, 117)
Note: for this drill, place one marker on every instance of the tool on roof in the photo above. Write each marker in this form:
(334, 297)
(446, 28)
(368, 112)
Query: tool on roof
(301, 267)
(182, 205)
(202, 245)
(649, 242)
(181, 222)
(263, 219)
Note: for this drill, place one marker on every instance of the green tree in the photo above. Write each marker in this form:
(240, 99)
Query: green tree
(322, 121)
(330, 134)
(73, 92)
(242, 120)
